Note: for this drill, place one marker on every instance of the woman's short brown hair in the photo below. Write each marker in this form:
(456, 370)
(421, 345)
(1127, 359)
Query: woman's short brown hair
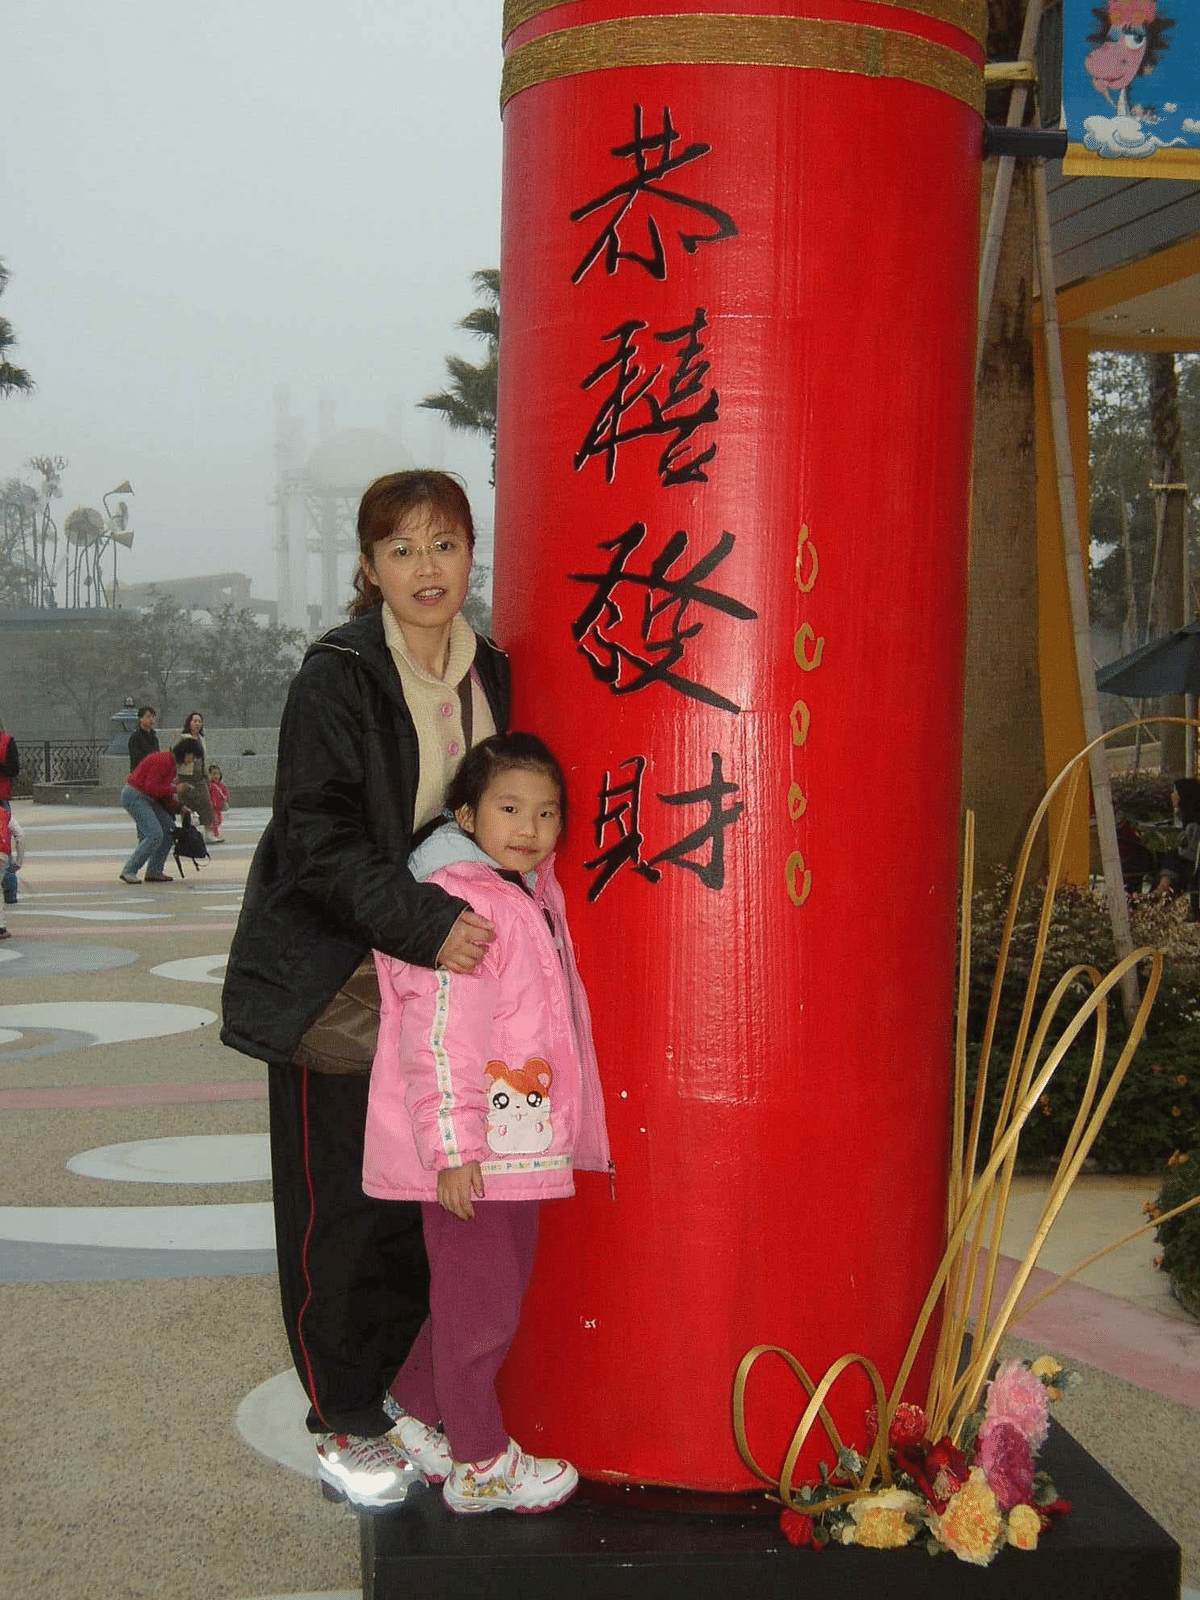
(388, 501)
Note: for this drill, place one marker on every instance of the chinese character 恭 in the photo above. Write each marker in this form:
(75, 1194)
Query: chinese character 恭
(632, 386)
(650, 653)
(652, 157)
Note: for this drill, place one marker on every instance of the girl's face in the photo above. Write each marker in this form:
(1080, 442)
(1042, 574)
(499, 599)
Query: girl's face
(518, 818)
(195, 723)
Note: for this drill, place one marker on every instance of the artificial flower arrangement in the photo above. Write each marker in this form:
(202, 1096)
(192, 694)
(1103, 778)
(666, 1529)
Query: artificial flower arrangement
(971, 1499)
(959, 1473)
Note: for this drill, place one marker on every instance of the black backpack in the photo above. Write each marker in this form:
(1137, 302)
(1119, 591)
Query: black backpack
(189, 841)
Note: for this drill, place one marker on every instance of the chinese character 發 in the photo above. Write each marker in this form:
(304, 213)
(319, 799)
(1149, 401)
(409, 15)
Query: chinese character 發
(651, 650)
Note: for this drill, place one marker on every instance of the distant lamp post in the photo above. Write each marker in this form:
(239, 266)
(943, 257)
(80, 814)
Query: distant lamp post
(119, 531)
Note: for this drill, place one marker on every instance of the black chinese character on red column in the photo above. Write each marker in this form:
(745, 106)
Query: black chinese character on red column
(710, 832)
(618, 819)
(653, 159)
(656, 635)
(664, 415)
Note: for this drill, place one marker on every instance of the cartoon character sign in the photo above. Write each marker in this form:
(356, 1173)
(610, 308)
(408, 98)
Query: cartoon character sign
(519, 1107)
(1129, 39)
(1111, 50)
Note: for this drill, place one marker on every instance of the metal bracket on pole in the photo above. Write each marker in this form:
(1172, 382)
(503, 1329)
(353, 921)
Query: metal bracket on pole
(997, 216)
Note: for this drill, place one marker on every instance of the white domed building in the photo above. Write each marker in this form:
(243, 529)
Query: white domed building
(315, 509)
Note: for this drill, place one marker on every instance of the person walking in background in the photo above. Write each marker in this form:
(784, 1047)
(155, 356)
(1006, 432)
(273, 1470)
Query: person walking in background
(377, 720)
(218, 796)
(143, 741)
(10, 766)
(156, 788)
(193, 728)
(12, 850)
(1180, 867)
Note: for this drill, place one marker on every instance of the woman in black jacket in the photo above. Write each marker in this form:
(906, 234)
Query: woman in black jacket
(376, 722)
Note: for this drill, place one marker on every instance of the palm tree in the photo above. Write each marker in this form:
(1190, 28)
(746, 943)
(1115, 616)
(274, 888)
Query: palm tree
(11, 378)
(468, 402)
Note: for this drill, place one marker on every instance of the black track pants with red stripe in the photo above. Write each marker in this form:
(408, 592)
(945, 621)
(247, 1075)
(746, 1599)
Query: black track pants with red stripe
(353, 1276)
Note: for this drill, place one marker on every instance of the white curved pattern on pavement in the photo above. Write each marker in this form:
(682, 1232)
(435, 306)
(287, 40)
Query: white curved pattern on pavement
(197, 1158)
(107, 1021)
(193, 969)
(271, 1420)
(213, 1228)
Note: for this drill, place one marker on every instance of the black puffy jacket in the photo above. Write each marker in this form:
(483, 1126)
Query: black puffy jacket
(330, 880)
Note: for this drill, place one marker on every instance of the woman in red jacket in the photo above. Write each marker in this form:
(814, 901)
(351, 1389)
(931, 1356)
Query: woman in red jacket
(152, 796)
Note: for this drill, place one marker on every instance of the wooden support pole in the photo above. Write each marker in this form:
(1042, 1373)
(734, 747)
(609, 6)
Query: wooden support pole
(1106, 827)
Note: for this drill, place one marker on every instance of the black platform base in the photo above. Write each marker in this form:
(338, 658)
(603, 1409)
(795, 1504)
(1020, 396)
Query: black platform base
(613, 1543)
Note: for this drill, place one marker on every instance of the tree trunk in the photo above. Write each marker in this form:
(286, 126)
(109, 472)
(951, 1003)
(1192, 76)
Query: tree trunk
(1170, 611)
(1004, 774)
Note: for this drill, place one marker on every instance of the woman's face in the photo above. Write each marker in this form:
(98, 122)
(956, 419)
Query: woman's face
(422, 570)
(194, 724)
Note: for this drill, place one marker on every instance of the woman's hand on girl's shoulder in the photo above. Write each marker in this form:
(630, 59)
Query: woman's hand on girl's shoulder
(456, 1185)
(466, 944)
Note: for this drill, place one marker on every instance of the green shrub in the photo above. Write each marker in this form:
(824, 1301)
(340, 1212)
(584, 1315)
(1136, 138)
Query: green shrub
(1180, 1238)
(1142, 797)
(1157, 1108)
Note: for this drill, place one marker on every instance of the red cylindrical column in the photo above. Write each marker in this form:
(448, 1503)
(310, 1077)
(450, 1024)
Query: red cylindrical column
(738, 280)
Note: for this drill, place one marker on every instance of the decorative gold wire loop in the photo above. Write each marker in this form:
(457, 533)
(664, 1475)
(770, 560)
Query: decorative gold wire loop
(877, 1461)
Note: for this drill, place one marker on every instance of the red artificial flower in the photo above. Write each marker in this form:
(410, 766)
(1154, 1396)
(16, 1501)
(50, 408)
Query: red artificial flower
(797, 1529)
(1052, 1513)
(908, 1425)
(938, 1470)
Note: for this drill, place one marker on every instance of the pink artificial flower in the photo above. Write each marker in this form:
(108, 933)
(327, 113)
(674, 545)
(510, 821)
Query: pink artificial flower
(1007, 1463)
(1018, 1396)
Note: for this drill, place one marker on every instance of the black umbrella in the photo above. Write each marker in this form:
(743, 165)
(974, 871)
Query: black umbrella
(1170, 665)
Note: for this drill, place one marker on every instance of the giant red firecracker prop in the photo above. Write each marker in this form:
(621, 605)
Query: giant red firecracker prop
(738, 272)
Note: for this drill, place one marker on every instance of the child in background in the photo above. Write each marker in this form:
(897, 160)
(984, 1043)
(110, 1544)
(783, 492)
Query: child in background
(484, 1097)
(218, 794)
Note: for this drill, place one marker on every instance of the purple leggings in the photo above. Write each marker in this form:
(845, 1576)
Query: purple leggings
(478, 1274)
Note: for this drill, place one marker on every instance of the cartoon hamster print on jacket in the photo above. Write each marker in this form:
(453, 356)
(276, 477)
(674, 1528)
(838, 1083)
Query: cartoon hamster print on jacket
(519, 1107)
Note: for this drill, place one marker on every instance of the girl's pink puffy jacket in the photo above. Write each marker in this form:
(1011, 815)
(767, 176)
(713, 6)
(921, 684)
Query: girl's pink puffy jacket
(497, 1067)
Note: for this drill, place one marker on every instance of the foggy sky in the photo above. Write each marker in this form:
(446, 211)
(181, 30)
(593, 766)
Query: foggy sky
(199, 203)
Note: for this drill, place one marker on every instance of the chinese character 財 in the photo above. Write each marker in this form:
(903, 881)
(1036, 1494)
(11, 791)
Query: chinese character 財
(620, 811)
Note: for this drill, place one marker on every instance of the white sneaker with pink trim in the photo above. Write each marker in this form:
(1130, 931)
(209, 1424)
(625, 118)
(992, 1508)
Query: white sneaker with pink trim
(424, 1446)
(511, 1481)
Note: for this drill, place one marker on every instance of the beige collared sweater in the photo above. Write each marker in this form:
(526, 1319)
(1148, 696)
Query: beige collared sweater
(437, 710)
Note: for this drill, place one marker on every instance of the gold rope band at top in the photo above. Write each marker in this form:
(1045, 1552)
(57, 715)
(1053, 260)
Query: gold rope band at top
(968, 16)
(798, 42)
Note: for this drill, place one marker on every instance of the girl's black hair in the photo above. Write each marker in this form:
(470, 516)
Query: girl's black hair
(501, 753)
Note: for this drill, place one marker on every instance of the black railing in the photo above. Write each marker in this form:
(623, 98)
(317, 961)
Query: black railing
(59, 761)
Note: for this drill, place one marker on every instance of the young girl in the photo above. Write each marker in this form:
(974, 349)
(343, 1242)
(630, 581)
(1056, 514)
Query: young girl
(218, 795)
(484, 1097)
